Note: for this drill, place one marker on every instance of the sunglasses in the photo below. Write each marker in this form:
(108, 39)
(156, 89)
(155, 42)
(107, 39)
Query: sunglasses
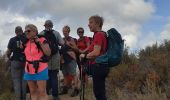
(80, 32)
(27, 31)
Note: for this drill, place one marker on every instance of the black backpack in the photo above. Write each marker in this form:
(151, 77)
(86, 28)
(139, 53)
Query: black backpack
(52, 41)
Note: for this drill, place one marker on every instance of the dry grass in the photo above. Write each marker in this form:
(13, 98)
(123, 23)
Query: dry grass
(125, 83)
(144, 78)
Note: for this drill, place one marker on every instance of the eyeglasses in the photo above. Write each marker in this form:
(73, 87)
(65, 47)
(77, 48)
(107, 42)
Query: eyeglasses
(80, 32)
(27, 31)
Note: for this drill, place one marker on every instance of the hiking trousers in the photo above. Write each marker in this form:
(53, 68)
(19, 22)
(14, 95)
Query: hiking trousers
(99, 74)
(52, 83)
(19, 84)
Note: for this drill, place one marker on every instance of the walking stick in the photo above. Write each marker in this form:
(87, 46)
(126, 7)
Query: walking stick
(82, 78)
(82, 85)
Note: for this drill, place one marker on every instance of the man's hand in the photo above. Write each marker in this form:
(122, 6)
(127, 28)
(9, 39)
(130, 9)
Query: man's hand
(82, 56)
(8, 53)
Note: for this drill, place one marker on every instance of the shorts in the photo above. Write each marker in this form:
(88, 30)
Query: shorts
(69, 68)
(54, 62)
(38, 76)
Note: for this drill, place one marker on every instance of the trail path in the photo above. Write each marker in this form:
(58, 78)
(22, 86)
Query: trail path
(67, 97)
(62, 97)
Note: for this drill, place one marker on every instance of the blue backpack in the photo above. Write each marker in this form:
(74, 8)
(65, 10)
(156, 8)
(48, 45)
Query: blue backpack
(114, 52)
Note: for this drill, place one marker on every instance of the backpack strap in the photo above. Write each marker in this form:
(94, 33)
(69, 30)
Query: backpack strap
(102, 47)
(52, 40)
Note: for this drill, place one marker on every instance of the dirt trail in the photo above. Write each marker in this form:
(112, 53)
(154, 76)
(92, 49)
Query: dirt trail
(67, 97)
(62, 97)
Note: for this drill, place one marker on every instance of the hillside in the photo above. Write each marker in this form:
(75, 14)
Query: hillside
(141, 76)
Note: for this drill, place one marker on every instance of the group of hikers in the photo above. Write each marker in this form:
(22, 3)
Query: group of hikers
(37, 57)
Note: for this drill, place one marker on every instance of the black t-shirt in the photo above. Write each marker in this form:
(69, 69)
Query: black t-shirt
(13, 45)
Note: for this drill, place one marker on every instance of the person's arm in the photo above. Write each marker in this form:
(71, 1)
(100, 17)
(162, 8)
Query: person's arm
(46, 49)
(44, 45)
(9, 47)
(93, 54)
(8, 53)
(72, 44)
(98, 41)
(59, 38)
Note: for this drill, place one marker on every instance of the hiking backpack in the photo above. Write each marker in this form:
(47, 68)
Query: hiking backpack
(52, 41)
(115, 47)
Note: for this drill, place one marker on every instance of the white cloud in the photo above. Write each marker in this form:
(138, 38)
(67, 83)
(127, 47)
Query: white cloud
(8, 22)
(127, 16)
(165, 34)
(137, 10)
(148, 40)
(153, 37)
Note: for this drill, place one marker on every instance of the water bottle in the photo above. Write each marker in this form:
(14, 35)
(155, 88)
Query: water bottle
(18, 44)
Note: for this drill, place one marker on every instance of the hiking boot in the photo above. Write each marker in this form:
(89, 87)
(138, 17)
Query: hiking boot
(74, 93)
(64, 90)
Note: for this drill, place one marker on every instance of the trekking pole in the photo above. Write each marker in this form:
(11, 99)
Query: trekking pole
(81, 84)
(82, 78)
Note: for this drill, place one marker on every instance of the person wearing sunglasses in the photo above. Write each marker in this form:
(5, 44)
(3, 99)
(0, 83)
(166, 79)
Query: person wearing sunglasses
(36, 68)
(83, 43)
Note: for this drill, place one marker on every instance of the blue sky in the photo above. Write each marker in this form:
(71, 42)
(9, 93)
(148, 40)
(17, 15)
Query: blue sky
(141, 22)
(160, 16)
(162, 7)
(156, 24)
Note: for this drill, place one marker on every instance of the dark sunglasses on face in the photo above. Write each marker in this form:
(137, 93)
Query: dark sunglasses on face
(27, 31)
(80, 32)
